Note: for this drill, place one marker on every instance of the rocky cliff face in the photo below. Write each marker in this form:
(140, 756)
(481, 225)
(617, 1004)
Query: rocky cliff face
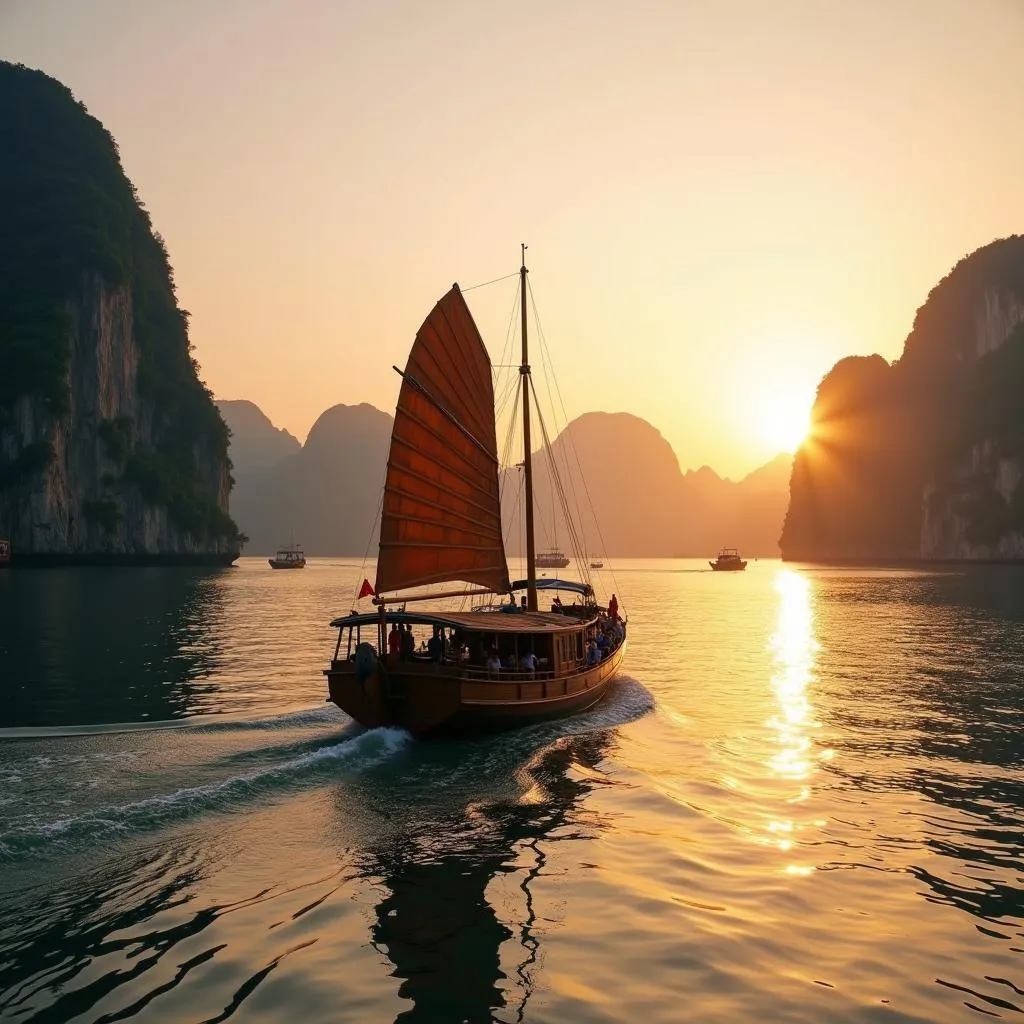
(77, 503)
(110, 446)
(924, 459)
(950, 525)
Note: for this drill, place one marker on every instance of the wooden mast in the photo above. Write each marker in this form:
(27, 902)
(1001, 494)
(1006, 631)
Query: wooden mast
(524, 372)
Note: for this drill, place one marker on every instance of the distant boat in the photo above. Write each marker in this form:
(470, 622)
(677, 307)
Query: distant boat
(290, 557)
(596, 563)
(5, 552)
(728, 560)
(441, 523)
(553, 559)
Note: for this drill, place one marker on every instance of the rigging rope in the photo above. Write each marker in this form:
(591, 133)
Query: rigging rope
(508, 331)
(484, 284)
(369, 544)
(545, 356)
(549, 373)
(574, 539)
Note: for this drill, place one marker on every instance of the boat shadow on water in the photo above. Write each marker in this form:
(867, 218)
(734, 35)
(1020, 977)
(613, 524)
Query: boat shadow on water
(456, 954)
(421, 835)
(446, 820)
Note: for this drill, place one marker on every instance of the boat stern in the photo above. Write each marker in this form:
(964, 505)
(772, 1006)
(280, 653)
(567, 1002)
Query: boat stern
(399, 696)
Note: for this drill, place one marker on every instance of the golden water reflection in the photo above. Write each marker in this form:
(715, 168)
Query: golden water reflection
(794, 650)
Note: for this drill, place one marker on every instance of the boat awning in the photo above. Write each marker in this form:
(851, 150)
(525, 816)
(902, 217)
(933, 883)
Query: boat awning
(548, 584)
(473, 622)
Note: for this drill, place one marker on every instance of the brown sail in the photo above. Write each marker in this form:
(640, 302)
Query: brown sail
(441, 516)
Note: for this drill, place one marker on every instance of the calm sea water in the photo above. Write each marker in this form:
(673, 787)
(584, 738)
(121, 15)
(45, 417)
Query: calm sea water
(803, 801)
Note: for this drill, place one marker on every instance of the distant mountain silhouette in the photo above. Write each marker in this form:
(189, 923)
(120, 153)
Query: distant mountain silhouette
(631, 474)
(255, 442)
(326, 494)
(924, 458)
(740, 514)
(647, 508)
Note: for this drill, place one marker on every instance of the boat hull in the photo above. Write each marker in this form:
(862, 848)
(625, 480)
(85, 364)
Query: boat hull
(428, 700)
(732, 567)
(275, 564)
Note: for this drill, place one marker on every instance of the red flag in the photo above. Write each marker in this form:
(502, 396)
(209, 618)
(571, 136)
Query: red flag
(365, 590)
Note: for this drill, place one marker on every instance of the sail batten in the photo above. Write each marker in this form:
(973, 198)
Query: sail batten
(441, 514)
(483, 409)
(473, 526)
(480, 506)
(447, 412)
(471, 463)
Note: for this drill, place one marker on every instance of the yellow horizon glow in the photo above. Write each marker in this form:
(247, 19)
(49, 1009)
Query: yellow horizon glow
(708, 236)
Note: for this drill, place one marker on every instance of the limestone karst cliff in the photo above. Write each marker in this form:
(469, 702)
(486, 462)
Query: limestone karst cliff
(110, 446)
(924, 458)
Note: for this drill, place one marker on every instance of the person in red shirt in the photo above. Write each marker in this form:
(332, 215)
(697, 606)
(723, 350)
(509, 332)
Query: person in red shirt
(613, 608)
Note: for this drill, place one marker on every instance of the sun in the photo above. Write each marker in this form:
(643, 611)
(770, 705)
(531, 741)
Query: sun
(784, 423)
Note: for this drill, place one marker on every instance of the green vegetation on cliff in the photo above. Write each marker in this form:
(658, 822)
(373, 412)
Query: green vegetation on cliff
(69, 215)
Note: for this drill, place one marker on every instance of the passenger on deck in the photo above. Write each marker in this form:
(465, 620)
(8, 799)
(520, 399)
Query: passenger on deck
(394, 640)
(556, 604)
(613, 608)
(528, 662)
(493, 663)
(618, 633)
(408, 644)
(593, 654)
(434, 646)
(522, 602)
(510, 661)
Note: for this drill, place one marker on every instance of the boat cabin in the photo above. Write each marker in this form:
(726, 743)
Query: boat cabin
(291, 557)
(463, 643)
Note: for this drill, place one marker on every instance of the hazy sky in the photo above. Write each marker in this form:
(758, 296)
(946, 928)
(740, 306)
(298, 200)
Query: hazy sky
(721, 198)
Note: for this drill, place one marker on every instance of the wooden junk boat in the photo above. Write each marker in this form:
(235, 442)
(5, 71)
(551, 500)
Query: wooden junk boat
(506, 665)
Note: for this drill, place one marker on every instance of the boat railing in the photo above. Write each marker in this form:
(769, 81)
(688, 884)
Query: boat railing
(511, 675)
(481, 672)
